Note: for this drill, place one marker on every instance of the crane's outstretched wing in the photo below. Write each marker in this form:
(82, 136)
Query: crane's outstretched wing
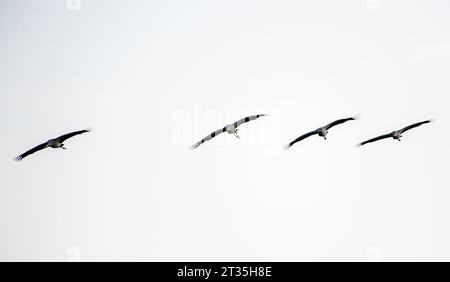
(247, 119)
(32, 151)
(209, 137)
(64, 137)
(414, 125)
(339, 121)
(301, 138)
(376, 139)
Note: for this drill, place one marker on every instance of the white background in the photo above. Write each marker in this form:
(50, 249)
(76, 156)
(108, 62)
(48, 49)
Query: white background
(154, 77)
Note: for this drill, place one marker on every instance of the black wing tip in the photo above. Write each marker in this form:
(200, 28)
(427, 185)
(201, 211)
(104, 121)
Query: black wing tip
(287, 146)
(426, 121)
(18, 158)
(356, 117)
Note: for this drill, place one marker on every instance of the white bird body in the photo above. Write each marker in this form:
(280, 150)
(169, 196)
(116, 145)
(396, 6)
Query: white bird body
(231, 129)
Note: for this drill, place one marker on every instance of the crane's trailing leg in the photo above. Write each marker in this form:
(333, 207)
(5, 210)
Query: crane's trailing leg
(235, 133)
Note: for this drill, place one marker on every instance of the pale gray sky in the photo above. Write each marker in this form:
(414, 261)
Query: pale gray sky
(154, 77)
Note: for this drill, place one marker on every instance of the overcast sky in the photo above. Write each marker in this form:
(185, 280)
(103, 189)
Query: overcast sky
(153, 77)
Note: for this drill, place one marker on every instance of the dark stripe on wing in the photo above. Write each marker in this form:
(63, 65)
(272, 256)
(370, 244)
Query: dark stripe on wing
(209, 137)
(247, 119)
